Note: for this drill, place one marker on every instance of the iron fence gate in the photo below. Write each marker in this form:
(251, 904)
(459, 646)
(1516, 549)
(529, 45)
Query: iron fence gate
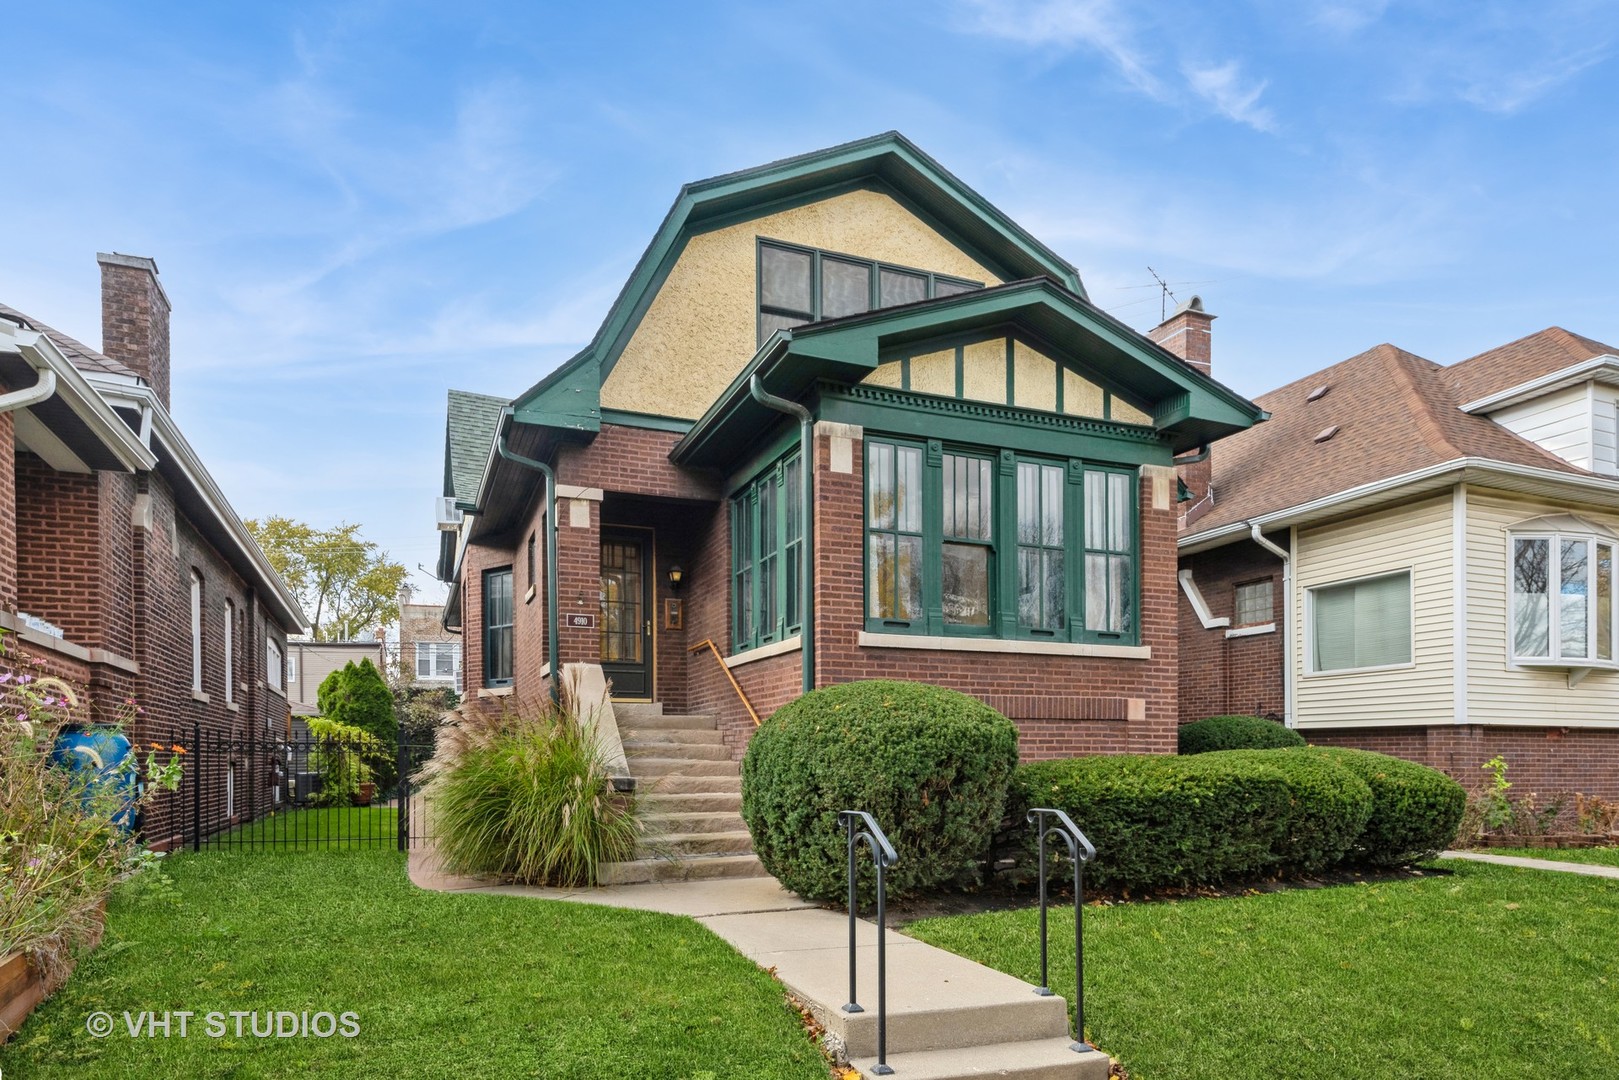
(303, 790)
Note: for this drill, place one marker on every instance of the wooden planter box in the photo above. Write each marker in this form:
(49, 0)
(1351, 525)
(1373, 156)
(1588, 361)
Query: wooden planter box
(1551, 840)
(23, 986)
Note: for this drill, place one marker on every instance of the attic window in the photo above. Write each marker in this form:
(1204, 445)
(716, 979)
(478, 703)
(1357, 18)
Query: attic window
(801, 285)
(1318, 393)
(1327, 433)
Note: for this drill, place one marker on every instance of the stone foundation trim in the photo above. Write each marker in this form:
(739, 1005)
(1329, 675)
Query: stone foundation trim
(55, 644)
(1003, 645)
(765, 652)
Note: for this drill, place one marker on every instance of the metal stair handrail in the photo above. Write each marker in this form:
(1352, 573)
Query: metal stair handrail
(1081, 851)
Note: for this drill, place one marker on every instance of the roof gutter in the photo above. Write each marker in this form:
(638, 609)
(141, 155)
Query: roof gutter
(79, 394)
(33, 395)
(806, 459)
(553, 647)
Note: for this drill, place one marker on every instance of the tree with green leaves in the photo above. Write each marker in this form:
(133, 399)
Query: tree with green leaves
(347, 585)
(357, 696)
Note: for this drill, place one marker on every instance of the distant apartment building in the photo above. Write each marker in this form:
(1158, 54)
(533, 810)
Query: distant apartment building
(429, 655)
(309, 662)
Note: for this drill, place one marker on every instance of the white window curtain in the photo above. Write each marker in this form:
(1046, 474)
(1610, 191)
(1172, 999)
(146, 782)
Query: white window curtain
(1362, 624)
(196, 631)
(230, 652)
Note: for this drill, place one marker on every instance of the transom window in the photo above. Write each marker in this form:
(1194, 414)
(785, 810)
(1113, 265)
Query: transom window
(1562, 599)
(965, 541)
(1255, 604)
(1362, 624)
(798, 285)
(767, 545)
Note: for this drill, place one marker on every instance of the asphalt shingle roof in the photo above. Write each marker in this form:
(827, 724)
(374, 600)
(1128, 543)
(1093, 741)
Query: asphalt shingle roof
(1395, 413)
(78, 354)
(469, 432)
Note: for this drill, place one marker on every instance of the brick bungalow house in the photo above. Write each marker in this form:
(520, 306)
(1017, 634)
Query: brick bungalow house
(122, 566)
(846, 420)
(1419, 559)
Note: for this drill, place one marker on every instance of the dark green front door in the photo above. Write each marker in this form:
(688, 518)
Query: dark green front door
(626, 628)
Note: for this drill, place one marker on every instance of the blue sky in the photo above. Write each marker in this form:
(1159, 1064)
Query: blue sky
(356, 206)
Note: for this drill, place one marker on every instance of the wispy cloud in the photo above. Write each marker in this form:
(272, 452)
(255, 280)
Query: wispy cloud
(1223, 87)
(1098, 25)
(1348, 16)
(1502, 90)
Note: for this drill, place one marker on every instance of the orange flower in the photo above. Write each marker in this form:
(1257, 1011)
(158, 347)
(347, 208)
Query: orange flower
(178, 749)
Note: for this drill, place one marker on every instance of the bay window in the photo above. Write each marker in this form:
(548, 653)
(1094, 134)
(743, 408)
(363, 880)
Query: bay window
(1562, 599)
(984, 542)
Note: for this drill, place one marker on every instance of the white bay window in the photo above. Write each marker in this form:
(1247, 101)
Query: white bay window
(1562, 599)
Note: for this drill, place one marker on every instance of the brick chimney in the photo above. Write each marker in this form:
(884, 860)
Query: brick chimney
(1186, 334)
(135, 318)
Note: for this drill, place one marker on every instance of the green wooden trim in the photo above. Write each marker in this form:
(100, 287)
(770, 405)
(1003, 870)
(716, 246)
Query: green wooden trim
(785, 440)
(650, 421)
(979, 423)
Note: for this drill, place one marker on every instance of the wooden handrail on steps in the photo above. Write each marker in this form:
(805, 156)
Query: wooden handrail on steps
(729, 677)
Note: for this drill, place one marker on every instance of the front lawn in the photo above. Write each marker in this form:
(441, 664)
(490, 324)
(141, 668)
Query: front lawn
(1601, 856)
(1483, 972)
(442, 984)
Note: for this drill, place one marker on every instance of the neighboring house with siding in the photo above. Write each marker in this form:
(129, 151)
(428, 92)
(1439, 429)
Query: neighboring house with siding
(429, 655)
(123, 567)
(981, 495)
(1419, 559)
(310, 661)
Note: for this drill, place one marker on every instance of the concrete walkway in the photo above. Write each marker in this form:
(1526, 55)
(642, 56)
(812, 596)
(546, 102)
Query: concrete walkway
(1588, 869)
(947, 1016)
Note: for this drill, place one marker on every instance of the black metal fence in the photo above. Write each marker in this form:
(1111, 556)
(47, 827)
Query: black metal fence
(303, 790)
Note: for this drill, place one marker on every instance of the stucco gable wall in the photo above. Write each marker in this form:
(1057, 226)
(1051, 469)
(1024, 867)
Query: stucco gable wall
(1418, 538)
(702, 325)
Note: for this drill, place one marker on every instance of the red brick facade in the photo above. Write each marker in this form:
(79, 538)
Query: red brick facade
(1220, 674)
(1545, 762)
(1063, 704)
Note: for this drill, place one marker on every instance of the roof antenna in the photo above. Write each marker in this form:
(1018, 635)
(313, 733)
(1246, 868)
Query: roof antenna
(1163, 301)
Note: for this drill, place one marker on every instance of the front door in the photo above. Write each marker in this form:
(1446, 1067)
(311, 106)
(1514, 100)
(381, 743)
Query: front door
(627, 612)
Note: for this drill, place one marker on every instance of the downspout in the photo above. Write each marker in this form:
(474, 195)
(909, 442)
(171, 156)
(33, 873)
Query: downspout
(1287, 621)
(806, 470)
(553, 650)
(33, 395)
(1201, 455)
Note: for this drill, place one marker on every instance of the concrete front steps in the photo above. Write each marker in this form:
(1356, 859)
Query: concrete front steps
(690, 792)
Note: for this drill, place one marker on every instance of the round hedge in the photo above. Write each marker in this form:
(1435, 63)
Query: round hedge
(1236, 733)
(1415, 809)
(930, 765)
(1328, 811)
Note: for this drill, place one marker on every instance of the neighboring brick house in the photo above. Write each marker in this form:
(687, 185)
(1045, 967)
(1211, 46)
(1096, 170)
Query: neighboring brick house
(136, 577)
(1419, 559)
(429, 655)
(981, 493)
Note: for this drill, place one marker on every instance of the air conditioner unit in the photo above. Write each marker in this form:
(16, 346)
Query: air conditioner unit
(449, 518)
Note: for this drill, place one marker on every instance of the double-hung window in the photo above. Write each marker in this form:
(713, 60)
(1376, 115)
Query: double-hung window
(437, 660)
(799, 285)
(497, 627)
(962, 541)
(272, 664)
(1562, 599)
(767, 543)
(230, 652)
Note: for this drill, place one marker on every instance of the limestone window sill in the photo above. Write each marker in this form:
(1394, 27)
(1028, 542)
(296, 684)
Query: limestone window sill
(198, 695)
(1004, 645)
(765, 652)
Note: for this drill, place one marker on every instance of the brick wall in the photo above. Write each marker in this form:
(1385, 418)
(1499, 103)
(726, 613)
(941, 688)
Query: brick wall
(135, 319)
(1542, 761)
(1220, 675)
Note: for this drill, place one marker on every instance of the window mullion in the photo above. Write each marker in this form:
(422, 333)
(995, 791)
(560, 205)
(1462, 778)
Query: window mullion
(933, 537)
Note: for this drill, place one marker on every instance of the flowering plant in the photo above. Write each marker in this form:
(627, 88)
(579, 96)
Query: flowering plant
(64, 836)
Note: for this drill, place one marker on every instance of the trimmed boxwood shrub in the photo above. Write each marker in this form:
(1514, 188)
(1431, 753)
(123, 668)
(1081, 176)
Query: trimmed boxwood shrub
(1199, 820)
(1236, 733)
(1415, 809)
(930, 765)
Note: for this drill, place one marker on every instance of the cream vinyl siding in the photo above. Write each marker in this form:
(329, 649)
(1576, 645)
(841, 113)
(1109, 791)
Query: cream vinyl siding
(1417, 539)
(1559, 422)
(1499, 693)
(1605, 430)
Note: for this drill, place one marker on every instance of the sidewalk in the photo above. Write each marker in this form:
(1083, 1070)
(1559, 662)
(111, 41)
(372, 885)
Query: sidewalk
(1588, 869)
(948, 1017)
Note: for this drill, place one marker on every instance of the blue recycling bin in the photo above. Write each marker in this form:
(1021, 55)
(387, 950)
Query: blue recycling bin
(101, 759)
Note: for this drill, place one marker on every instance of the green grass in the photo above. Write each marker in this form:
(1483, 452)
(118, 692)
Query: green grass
(443, 984)
(1608, 856)
(332, 826)
(1487, 972)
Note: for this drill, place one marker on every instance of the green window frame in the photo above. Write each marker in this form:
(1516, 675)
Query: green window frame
(497, 627)
(969, 541)
(767, 543)
(798, 285)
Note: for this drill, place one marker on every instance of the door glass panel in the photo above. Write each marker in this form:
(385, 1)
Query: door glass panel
(622, 599)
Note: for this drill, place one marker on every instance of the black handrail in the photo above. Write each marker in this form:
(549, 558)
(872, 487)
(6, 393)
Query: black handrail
(883, 854)
(1081, 851)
